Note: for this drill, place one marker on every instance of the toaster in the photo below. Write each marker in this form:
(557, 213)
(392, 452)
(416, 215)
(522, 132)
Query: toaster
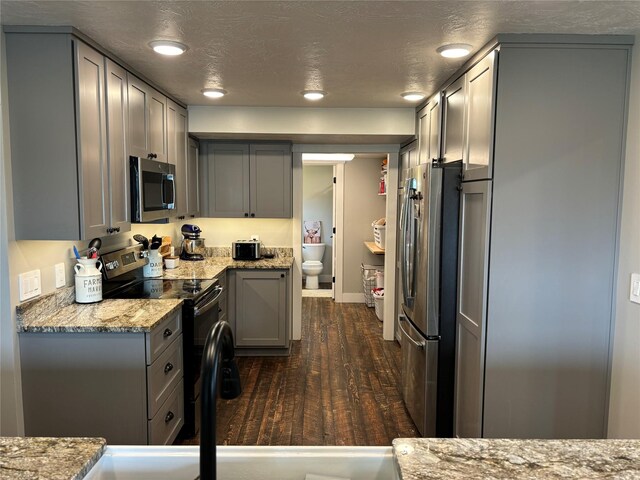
(246, 250)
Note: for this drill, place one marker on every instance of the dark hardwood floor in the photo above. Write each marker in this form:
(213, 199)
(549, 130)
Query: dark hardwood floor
(339, 386)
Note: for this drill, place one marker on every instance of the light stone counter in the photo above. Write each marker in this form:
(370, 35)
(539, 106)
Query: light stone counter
(211, 267)
(115, 316)
(451, 459)
(48, 458)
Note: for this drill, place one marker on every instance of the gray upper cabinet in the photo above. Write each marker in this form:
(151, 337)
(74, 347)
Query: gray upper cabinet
(429, 131)
(469, 117)
(228, 180)
(423, 135)
(248, 180)
(117, 112)
(62, 163)
(147, 121)
(270, 181)
(92, 141)
(193, 180)
(480, 119)
(261, 308)
(177, 154)
(454, 102)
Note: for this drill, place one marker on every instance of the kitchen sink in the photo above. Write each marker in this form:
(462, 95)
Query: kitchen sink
(245, 463)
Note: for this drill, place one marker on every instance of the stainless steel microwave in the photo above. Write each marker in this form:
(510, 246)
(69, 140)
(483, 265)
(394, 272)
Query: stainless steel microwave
(153, 189)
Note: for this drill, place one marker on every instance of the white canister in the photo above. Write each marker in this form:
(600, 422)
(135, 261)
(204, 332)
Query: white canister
(88, 280)
(171, 262)
(154, 267)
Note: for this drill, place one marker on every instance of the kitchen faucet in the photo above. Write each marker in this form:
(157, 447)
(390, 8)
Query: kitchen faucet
(218, 347)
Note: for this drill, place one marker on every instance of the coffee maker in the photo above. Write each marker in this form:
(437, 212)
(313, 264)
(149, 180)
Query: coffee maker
(192, 245)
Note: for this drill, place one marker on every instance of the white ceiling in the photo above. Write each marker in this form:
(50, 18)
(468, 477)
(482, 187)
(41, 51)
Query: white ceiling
(363, 53)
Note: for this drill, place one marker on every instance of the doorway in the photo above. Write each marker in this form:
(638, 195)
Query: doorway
(318, 229)
(388, 209)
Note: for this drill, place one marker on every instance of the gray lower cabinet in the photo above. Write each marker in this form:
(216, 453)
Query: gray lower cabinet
(261, 313)
(125, 387)
(247, 180)
(538, 241)
(67, 140)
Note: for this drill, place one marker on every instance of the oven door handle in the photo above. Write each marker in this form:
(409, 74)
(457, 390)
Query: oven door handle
(201, 310)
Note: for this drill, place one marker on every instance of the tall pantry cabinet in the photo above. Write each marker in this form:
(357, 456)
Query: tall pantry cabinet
(539, 123)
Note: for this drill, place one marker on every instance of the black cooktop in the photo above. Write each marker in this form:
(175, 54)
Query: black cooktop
(158, 288)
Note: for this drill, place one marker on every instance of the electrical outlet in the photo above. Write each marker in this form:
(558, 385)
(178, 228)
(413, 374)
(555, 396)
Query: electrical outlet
(634, 294)
(60, 277)
(29, 285)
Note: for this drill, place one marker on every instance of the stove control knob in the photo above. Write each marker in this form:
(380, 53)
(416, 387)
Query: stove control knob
(112, 265)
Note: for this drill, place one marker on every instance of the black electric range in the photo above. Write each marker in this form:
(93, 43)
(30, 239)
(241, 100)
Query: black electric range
(191, 291)
(200, 311)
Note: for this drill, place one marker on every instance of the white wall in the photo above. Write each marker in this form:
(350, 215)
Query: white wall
(221, 232)
(302, 121)
(624, 401)
(317, 204)
(362, 205)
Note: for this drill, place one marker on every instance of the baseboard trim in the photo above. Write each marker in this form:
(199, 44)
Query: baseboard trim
(352, 297)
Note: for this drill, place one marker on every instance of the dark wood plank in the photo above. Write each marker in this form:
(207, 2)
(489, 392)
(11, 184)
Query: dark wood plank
(339, 386)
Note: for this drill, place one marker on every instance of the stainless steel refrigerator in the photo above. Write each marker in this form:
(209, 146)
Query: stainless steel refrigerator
(428, 271)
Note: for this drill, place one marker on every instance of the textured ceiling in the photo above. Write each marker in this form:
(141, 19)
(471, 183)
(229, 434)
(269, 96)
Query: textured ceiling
(363, 53)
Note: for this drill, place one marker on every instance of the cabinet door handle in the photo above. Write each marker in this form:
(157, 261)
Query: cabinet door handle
(253, 214)
(117, 229)
(168, 417)
(109, 230)
(168, 367)
(246, 214)
(167, 333)
(282, 275)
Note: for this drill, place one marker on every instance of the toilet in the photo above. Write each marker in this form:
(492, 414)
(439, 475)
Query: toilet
(312, 254)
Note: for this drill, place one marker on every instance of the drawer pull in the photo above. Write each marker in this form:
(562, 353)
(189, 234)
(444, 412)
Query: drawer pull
(168, 367)
(168, 417)
(167, 333)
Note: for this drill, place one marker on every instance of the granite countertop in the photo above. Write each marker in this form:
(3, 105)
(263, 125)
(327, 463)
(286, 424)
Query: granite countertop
(107, 316)
(57, 312)
(436, 458)
(211, 267)
(50, 458)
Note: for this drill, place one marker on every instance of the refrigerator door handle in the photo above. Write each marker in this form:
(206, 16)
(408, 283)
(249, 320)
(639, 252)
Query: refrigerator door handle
(418, 345)
(408, 249)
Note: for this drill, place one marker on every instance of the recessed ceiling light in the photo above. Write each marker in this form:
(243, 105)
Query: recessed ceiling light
(412, 96)
(167, 47)
(454, 50)
(328, 157)
(214, 92)
(314, 94)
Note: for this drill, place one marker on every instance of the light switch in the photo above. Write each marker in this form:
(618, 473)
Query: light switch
(60, 276)
(29, 285)
(634, 294)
